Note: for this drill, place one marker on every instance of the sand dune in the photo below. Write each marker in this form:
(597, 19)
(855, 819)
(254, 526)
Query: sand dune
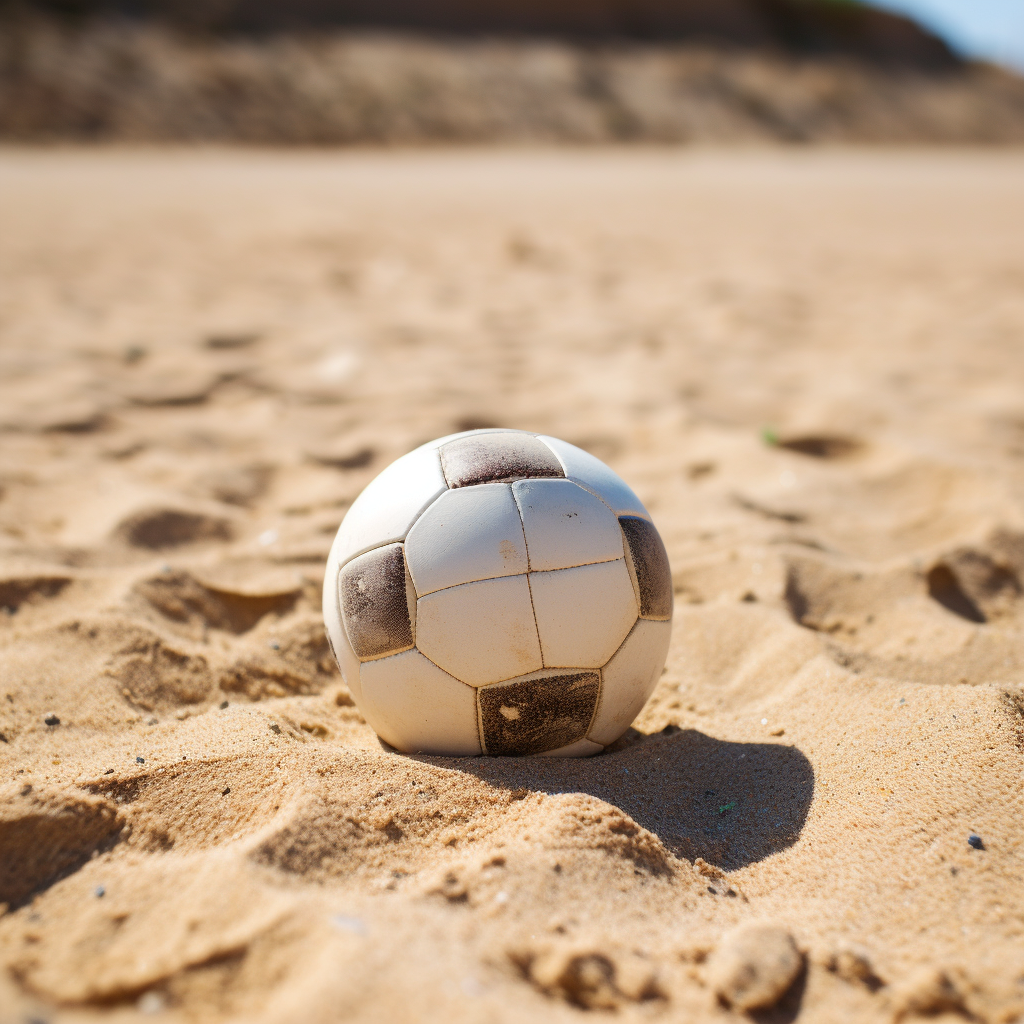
(144, 83)
(808, 365)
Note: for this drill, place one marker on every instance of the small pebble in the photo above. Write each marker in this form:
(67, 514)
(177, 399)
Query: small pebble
(109, 771)
(140, 760)
(274, 645)
(100, 892)
(51, 719)
(348, 924)
(754, 966)
(975, 842)
(225, 791)
(150, 1002)
(223, 704)
(854, 967)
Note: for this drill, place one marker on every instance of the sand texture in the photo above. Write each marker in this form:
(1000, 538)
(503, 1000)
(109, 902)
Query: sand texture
(808, 364)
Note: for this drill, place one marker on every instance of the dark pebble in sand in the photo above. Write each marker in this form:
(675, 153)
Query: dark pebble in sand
(974, 842)
(109, 771)
(140, 760)
(100, 891)
(51, 719)
(223, 704)
(225, 791)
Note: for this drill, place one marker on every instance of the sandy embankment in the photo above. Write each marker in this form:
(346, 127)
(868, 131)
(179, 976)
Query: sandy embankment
(205, 357)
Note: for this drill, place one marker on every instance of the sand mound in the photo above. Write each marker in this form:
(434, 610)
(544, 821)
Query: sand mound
(807, 365)
(144, 82)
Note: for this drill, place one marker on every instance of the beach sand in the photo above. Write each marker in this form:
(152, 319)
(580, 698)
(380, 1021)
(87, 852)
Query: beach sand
(808, 364)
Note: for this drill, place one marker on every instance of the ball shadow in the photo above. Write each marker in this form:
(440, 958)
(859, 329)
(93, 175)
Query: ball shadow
(730, 803)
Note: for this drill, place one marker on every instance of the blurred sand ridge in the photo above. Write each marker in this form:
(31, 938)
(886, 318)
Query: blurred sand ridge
(807, 363)
(342, 72)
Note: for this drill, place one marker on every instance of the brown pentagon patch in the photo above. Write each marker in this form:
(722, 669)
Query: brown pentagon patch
(491, 458)
(373, 602)
(650, 567)
(534, 715)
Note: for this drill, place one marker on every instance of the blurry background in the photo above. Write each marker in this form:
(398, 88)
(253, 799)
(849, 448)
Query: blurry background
(989, 29)
(420, 71)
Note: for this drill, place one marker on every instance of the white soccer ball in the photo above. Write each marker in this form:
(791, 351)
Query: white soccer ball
(499, 592)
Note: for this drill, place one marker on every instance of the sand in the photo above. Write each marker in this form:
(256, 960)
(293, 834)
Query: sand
(809, 366)
(141, 83)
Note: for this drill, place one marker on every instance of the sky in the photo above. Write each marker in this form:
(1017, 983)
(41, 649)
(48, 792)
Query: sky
(989, 29)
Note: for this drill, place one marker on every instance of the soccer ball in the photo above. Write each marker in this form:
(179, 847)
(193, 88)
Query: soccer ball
(499, 592)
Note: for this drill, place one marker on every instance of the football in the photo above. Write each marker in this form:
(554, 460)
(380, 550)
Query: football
(498, 592)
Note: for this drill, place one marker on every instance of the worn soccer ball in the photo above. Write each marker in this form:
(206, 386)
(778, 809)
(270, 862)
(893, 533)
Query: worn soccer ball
(499, 592)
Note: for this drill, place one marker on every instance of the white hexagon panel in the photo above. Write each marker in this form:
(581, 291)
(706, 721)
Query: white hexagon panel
(629, 679)
(499, 592)
(468, 534)
(415, 707)
(480, 632)
(583, 613)
(566, 525)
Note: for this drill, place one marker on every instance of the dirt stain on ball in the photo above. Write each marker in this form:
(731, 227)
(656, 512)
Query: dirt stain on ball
(531, 716)
(501, 456)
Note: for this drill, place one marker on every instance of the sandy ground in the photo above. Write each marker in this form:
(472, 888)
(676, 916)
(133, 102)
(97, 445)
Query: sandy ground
(808, 364)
